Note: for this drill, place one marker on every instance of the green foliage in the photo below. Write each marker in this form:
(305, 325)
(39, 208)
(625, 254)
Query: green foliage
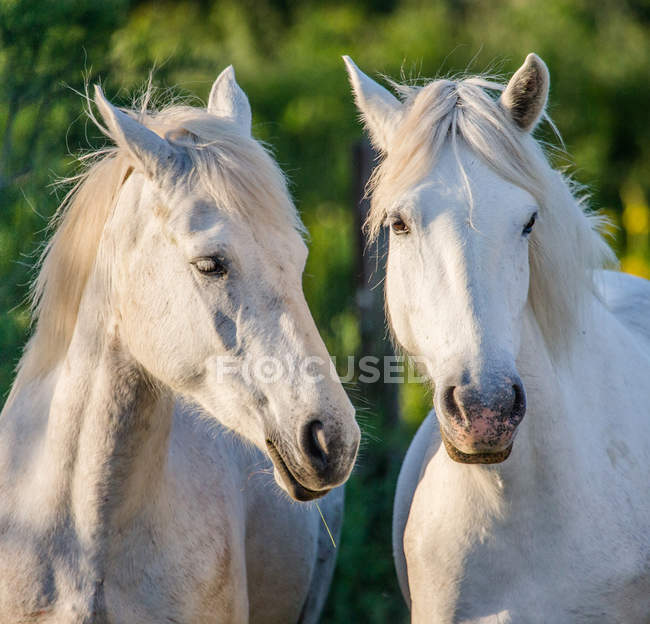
(287, 57)
(44, 52)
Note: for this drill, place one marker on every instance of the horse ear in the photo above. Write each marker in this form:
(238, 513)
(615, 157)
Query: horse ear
(227, 99)
(527, 92)
(154, 153)
(380, 109)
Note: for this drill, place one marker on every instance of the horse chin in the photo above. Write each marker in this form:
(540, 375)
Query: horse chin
(485, 457)
(287, 481)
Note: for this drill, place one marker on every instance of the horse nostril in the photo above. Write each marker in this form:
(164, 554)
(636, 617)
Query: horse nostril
(519, 402)
(315, 443)
(319, 437)
(451, 404)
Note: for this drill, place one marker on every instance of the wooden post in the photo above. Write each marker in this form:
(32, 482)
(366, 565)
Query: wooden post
(370, 270)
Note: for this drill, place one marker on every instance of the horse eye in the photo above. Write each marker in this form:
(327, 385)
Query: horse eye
(212, 266)
(399, 227)
(528, 228)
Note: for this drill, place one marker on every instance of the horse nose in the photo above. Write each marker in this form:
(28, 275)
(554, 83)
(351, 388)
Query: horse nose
(504, 402)
(328, 450)
(484, 415)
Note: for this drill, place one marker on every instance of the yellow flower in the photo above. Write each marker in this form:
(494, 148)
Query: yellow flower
(636, 266)
(636, 215)
(635, 219)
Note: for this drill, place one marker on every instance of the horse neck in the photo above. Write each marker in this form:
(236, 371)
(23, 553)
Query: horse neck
(107, 432)
(560, 430)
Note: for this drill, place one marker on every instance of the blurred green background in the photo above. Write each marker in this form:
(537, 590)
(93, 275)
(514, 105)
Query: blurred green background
(287, 57)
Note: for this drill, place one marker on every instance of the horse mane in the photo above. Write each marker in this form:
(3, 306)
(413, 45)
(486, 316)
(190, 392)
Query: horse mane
(566, 244)
(237, 171)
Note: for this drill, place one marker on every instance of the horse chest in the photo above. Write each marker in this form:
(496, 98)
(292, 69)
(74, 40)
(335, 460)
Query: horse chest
(520, 564)
(183, 565)
(40, 582)
(170, 563)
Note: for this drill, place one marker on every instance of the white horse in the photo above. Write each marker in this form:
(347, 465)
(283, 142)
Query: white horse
(119, 502)
(494, 280)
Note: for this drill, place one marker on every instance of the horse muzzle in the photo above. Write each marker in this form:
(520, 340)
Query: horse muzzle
(286, 478)
(478, 424)
(323, 461)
